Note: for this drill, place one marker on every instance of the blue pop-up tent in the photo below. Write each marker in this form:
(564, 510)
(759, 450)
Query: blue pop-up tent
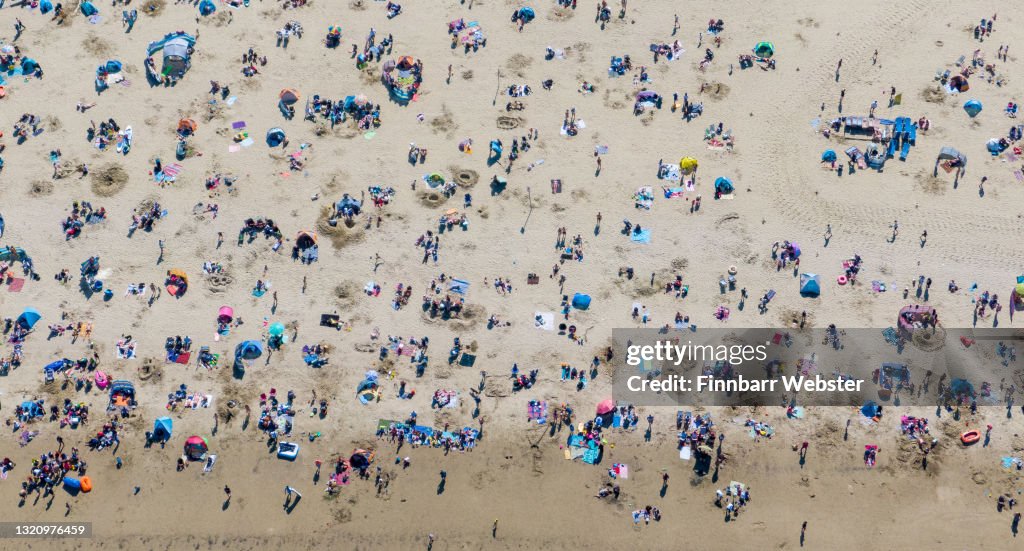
(829, 156)
(580, 301)
(275, 136)
(810, 285)
(723, 185)
(162, 429)
(249, 350)
(29, 317)
(206, 7)
(973, 107)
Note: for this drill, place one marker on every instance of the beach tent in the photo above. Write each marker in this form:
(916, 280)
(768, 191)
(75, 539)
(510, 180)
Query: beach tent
(177, 289)
(829, 156)
(29, 317)
(764, 49)
(869, 409)
(32, 409)
(249, 350)
(196, 447)
(29, 65)
(606, 406)
(687, 164)
(723, 185)
(88, 9)
(289, 96)
(961, 388)
(972, 107)
(959, 83)
(360, 459)
(950, 154)
(45, 7)
(206, 7)
(162, 429)
(305, 239)
(810, 285)
(367, 391)
(122, 393)
(580, 301)
(275, 137)
(187, 127)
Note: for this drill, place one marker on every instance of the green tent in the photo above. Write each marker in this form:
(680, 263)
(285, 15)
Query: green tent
(764, 49)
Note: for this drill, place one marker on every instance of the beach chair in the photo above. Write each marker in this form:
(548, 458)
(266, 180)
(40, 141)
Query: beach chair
(912, 134)
(905, 150)
(960, 61)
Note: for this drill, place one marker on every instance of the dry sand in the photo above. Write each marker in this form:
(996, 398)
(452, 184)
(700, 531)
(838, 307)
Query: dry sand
(517, 474)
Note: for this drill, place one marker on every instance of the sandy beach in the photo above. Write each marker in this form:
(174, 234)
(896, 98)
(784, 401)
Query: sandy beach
(587, 154)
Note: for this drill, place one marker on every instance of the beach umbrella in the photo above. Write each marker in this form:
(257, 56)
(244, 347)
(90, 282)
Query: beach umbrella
(764, 49)
(275, 136)
(29, 317)
(972, 107)
(606, 406)
(688, 164)
(289, 96)
(829, 156)
(360, 100)
(276, 329)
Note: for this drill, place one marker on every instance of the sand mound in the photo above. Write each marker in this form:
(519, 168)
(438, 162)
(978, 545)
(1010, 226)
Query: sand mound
(342, 233)
(152, 369)
(109, 180)
(506, 122)
(432, 198)
(40, 188)
(347, 293)
(153, 8)
(443, 123)
(464, 177)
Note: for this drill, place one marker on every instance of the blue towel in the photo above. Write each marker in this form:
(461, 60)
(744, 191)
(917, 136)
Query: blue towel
(643, 237)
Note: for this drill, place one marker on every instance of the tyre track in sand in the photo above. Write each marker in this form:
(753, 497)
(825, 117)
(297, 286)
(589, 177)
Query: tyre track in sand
(793, 175)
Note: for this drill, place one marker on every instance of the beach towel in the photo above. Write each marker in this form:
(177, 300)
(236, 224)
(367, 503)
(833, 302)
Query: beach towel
(16, 284)
(1019, 175)
(556, 186)
(246, 142)
(183, 358)
(544, 320)
(234, 148)
(671, 192)
(210, 461)
(231, 100)
(644, 236)
(685, 453)
(238, 125)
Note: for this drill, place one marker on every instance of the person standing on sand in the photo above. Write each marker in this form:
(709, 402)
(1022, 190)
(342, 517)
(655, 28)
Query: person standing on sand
(227, 491)
(803, 532)
(494, 527)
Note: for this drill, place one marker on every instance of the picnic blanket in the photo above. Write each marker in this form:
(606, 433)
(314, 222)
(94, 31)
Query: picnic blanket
(544, 320)
(16, 284)
(536, 411)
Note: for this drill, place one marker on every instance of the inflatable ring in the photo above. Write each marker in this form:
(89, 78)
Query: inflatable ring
(86, 484)
(842, 280)
(732, 270)
(970, 437)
